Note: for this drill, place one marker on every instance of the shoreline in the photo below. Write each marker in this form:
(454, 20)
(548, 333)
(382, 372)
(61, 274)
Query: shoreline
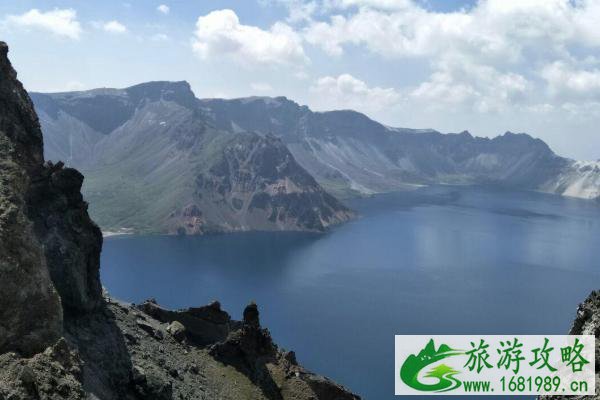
(119, 232)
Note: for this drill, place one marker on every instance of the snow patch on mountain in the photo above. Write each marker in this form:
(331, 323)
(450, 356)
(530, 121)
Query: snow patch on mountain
(581, 180)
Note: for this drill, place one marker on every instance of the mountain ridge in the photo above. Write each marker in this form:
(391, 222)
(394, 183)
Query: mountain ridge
(149, 171)
(404, 156)
(135, 143)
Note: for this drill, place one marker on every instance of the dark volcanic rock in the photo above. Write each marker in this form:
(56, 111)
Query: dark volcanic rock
(587, 322)
(30, 312)
(203, 325)
(250, 349)
(249, 342)
(72, 242)
(53, 374)
(53, 202)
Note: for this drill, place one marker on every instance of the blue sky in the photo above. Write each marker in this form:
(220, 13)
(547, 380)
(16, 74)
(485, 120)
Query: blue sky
(486, 66)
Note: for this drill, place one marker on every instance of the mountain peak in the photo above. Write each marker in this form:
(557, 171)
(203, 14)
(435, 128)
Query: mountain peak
(513, 134)
(162, 86)
(269, 101)
(180, 92)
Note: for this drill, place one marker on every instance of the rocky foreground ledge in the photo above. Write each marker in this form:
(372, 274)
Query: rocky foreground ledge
(61, 338)
(147, 352)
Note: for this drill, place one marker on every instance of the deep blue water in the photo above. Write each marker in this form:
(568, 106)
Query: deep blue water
(435, 261)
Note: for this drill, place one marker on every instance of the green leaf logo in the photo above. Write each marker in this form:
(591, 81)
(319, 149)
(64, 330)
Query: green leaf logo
(409, 372)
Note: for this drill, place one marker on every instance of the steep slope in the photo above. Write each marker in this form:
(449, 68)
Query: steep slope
(153, 164)
(60, 338)
(579, 179)
(255, 183)
(349, 154)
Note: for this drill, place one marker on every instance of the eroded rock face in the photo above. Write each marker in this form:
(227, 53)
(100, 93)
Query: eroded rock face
(256, 184)
(30, 310)
(52, 201)
(49, 247)
(248, 346)
(72, 242)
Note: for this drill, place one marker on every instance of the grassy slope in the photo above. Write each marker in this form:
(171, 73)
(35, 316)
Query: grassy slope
(123, 195)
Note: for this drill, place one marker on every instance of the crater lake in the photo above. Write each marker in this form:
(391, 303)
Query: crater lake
(437, 260)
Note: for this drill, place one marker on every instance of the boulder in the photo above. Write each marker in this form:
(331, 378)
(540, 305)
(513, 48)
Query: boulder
(177, 330)
(203, 325)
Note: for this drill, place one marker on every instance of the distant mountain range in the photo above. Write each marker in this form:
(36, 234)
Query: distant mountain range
(350, 154)
(153, 162)
(157, 159)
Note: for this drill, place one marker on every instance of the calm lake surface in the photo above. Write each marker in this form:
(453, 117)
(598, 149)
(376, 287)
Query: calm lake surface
(440, 260)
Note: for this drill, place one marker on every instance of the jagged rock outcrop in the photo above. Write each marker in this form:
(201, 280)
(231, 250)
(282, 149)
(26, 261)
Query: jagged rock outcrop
(248, 348)
(587, 322)
(202, 325)
(72, 242)
(55, 373)
(60, 339)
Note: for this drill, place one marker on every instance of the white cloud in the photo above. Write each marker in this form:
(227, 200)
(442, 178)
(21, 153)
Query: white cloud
(493, 29)
(346, 91)
(480, 88)
(302, 11)
(163, 8)
(567, 82)
(220, 33)
(114, 27)
(61, 22)
(485, 58)
(261, 87)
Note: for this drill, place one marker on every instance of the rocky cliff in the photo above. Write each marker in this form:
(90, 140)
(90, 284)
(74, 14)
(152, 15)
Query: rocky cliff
(61, 338)
(30, 311)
